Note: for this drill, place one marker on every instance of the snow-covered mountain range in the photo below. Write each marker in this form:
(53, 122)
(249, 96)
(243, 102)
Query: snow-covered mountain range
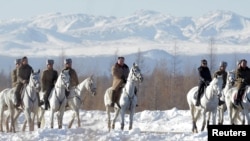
(86, 36)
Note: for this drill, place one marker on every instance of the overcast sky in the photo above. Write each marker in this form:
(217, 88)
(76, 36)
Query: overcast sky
(192, 8)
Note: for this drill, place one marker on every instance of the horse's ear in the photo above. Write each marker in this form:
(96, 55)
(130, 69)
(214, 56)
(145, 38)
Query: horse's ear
(38, 71)
(134, 64)
(32, 71)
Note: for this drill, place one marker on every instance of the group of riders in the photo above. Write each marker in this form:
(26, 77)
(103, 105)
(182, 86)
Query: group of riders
(242, 78)
(20, 77)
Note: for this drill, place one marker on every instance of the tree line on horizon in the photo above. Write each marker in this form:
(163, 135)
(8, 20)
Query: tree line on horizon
(164, 88)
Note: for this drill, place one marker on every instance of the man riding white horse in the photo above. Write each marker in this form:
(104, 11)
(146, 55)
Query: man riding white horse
(242, 79)
(120, 72)
(73, 75)
(49, 77)
(23, 76)
(222, 71)
(14, 73)
(204, 80)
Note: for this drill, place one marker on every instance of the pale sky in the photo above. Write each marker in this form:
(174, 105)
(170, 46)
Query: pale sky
(192, 8)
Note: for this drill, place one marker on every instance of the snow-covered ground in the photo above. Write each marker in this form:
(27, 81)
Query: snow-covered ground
(167, 125)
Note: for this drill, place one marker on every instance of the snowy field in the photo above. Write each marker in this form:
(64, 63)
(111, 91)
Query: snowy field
(168, 125)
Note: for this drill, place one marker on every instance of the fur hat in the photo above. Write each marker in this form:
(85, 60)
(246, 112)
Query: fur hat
(203, 61)
(50, 62)
(121, 57)
(223, 64)
(17, 61)
(68, 61)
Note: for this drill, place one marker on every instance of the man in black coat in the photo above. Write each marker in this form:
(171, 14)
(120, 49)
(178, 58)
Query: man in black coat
(204, 80)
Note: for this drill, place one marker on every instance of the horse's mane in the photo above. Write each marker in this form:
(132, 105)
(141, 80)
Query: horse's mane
(215, 79)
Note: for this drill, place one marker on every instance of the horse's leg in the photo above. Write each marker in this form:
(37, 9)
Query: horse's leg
(108, 117)
(117, 110)
(72, 120)
(122, 113)
(220, 114)
(60, 116)
(192, 111)
(131, 115)
(78, 118)
(204, 119)
(1, 118)
(247, 116)
(73, 107)
(52, 118)
(12, 120)
(24, 125)
(40, 114)
(28, 120)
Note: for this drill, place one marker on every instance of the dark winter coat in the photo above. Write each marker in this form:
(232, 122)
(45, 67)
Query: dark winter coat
(120, 75)
(49, 78)
(242, 76)
(205, 75)
(23, 73)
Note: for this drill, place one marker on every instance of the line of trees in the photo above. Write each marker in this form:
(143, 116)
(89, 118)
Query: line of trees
(164, 88)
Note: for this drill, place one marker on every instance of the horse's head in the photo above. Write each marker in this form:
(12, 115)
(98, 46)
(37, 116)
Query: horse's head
(35, 80)
(65, 79)
(91, 85)
(231, 77)
(216, 84)
(136, 73)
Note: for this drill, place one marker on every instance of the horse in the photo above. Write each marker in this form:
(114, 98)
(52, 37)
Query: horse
(229, 84)
(76, 97)
(30, 99)
(128, 99)
(57, 98)
(209, 102)
(235, 110)
(7, 97)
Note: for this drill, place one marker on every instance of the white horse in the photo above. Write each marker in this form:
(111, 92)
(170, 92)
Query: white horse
(235, 110)
(229, 84)
(7, 97)
(57, 98)
(128, 99)
(30, 99)
(209, 102)
(76, 97)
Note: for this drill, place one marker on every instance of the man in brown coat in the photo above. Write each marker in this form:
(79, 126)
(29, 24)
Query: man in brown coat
(242, 79)
(73, 75)
(23, 76)
(49, 78)
(120, 73)
(14, 73)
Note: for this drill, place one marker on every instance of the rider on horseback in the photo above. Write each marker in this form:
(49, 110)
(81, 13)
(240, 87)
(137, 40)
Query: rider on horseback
(120, 73)
(14, 73)
(204, 80)
(242, 78)
(73, 75)
(222, 71)
(23, 76)
(49, 77)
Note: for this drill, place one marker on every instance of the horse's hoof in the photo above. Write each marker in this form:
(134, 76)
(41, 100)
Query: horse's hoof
(39, 124)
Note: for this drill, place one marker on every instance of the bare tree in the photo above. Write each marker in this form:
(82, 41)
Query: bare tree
(212, 54)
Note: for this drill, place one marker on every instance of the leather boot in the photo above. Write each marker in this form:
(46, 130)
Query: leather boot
(237, 101)
(198, 100)
(18, 100)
